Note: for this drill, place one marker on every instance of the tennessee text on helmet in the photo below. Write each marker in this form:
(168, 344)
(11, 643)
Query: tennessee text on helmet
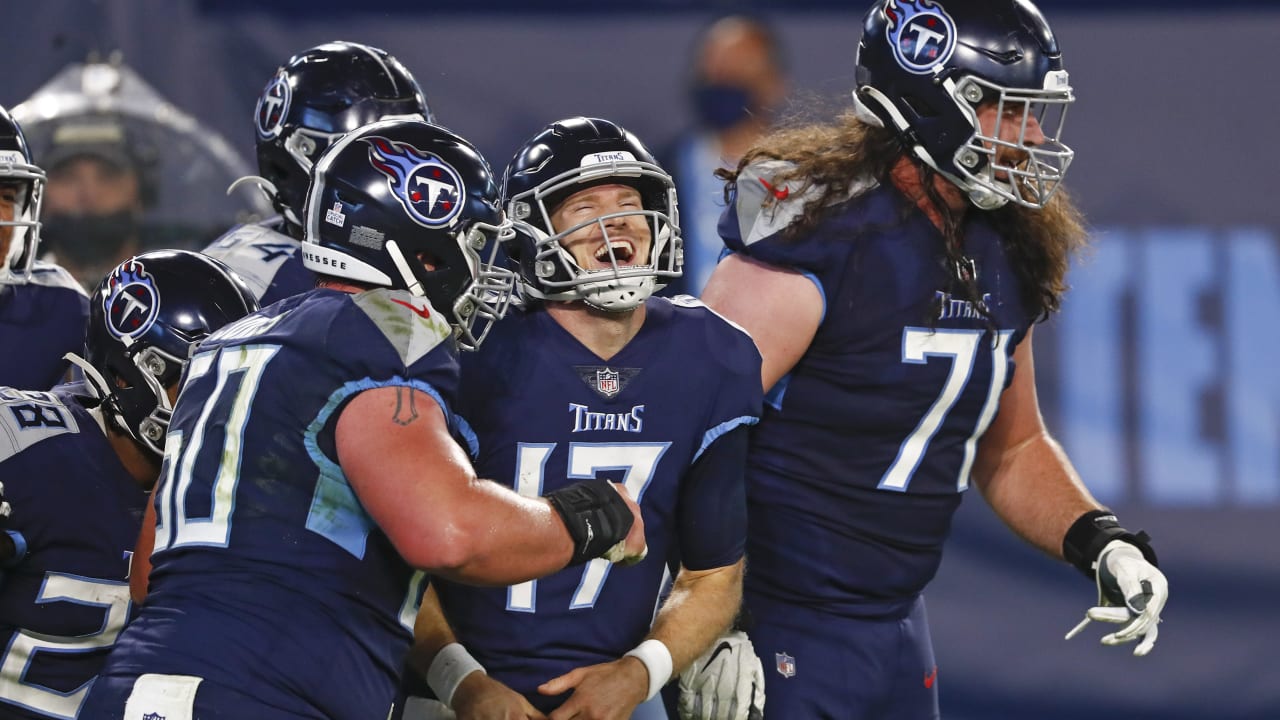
(410, 205)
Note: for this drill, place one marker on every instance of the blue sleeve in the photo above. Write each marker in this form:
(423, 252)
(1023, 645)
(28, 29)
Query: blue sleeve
(712, 509)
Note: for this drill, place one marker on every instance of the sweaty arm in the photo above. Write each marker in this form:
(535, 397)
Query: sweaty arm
(394, 446)
(1029, 482)
(781, 310)
(1023, 473)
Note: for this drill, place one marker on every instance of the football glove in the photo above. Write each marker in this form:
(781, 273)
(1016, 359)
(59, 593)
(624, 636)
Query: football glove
(1131, 593)
(725, 683)
(4, 506)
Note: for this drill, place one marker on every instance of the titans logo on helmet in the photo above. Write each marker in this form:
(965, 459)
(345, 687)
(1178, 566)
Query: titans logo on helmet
(428, 188)
(922, 35)
(132, 302)
(273, 106)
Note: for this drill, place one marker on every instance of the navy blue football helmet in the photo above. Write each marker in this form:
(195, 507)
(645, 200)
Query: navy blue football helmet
(145, 319)
(23, 229)
(410, 205)
(316, 97)
(924, 67)
(572, 155)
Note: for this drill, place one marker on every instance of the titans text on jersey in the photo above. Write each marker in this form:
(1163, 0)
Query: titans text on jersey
(547, 412)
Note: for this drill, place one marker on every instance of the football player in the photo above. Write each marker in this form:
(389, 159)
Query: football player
(42, 308)
(77, 464)
(892, 266)
(310, 101)
(595, 377)
(312, 472)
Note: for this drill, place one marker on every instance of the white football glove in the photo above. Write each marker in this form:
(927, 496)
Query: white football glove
(1132, 592)
(725, 683)
(4, 506)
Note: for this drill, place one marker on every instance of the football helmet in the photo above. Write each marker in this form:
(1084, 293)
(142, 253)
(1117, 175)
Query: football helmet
(145, 318)
(23, 229)
(316, 97)
(563, 158)
(925, 66)
(410, 205)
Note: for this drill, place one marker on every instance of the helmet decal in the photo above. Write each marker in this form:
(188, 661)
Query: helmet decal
(273, 106)
(428, 188)
(131, 302)
(921, 33)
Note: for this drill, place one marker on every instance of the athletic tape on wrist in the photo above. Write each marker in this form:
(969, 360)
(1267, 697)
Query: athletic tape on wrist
(449, 668)
(1091, 532)
(657, 660)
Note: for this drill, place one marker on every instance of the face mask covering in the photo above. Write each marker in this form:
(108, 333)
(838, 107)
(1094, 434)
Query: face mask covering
(88, 240)
(720, 107)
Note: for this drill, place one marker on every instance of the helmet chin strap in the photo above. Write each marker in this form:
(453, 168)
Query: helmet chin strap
(159, 417)
(411, 281)
(268, 189)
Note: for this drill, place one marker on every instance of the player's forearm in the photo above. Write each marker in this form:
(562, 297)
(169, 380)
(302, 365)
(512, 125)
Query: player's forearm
(1036, 491)
(501, 538)
(431, 632)
(700, 608)
(496, 537)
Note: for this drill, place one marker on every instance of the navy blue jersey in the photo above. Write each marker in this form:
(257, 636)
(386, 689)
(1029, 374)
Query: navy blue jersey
(548, 412)
(269, 261)
(77, 511)
(268, 577)
(865, 447)
(40, 321)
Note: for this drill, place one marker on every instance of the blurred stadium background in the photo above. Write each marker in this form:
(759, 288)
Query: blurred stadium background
(1160, 376)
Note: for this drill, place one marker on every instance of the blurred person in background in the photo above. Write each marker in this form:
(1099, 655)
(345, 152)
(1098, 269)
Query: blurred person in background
(98, 191)
(78, 463)
(312, 100)
(738, 86)
(891, 266)
(42, 308)
(128, 171)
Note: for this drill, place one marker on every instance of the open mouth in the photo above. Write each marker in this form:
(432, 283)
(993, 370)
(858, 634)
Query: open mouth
(623, 252)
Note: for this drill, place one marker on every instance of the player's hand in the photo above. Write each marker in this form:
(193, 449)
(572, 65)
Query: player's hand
(725, 683)
(608, 691)
(4, 506)
(480, 697)
(634, 548)
(1131, 593)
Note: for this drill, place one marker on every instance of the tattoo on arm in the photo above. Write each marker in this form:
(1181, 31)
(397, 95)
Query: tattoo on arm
(406, 406)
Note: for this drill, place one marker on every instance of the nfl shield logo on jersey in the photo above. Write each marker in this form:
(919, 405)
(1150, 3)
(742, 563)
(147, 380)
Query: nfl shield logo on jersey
(786, 664)
(607, 382)
(153, 716)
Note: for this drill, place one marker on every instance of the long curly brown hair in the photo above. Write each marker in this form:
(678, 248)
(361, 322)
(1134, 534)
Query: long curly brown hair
(830, 158)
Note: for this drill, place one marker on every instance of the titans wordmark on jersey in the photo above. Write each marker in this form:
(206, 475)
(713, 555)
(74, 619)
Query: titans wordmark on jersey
(77, 512)
(547, 412)
(869, 442)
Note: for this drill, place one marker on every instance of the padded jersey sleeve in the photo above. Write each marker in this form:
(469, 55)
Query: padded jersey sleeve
(712, 511)
(396, 338)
